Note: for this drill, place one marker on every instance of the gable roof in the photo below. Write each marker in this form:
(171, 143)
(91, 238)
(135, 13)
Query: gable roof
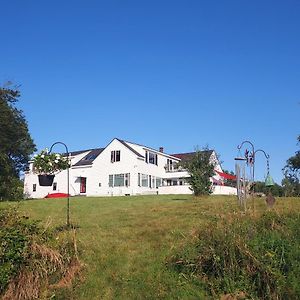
(145, 148)
(130, 148)
(189, 155)
(89, 158)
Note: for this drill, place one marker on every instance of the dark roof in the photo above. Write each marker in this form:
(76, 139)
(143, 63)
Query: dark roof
(89, 158)
(74, 153)
(189, 155)
(130, 148)
(147, 147)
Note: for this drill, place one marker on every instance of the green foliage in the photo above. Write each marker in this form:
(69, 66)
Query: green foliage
(291, 182)
(200, 168)
(276, 189)
(16, 143)
(31, 257)
(259, 257)
(15, 235)
(49, 163)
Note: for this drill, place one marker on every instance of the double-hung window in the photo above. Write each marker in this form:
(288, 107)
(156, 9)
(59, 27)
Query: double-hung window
(144, 180)
(151, 157)
(115, 156)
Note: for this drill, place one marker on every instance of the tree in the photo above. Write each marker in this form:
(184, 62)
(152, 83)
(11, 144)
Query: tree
(16, 144)
(276, 189)
(291, 182)
(200, 168)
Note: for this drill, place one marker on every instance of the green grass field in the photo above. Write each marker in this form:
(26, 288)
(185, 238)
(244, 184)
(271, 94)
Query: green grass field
(124, 242)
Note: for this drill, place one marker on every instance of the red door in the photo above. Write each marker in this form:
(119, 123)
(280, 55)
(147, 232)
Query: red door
(82, 184)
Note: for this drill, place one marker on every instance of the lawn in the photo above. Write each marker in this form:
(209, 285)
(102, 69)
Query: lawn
(125, 241)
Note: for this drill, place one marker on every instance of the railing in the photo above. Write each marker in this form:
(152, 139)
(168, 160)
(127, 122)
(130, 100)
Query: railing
(173, 168)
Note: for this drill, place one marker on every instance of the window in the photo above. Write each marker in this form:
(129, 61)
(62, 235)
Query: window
(90, 157)
(34, 187)
(139, 179)
(115, 156)
(169, 166)
(82, 184)
(158, 182)
(145, 180)
(111, 181)
(127, 179)
(54, 186)
(119, 180)
(151, 157)
(151, 181)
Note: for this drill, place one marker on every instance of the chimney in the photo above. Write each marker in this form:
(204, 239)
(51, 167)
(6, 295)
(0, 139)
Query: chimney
(161, 149)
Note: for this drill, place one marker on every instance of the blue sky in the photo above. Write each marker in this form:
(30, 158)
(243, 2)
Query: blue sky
(161, 73)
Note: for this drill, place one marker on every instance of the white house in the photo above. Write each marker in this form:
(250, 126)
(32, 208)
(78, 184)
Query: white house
(122, 168)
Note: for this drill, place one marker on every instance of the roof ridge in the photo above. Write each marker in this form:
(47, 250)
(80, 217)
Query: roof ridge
(129, 147)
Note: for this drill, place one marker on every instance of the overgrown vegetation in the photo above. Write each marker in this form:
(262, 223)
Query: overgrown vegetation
(33, 260)
(245, 256)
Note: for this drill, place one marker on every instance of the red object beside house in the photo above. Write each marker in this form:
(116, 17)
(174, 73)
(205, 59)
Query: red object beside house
(57, 195)
(226, 175)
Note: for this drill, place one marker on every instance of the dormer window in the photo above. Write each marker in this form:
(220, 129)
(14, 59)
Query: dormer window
(151, 157)
(115, 156)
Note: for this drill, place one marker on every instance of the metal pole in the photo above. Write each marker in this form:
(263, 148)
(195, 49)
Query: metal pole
(267, 156)
(68, 181)
(253, 153)
(253, 165)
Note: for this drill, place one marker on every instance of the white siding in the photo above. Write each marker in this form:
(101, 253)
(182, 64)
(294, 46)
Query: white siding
(97, 174)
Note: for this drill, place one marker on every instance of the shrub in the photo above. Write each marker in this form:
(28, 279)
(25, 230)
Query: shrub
(258, 257)
(32, 259)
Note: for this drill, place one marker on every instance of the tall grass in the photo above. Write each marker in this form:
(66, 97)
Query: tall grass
(257, 256)
(126, 241)
(34, 260)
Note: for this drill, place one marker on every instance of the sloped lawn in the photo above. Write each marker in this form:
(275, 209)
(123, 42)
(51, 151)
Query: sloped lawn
(126, 242)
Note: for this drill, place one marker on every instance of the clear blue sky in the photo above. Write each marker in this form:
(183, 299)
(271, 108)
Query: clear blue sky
(161, 73)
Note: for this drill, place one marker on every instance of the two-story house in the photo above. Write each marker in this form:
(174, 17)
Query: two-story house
(121, 168)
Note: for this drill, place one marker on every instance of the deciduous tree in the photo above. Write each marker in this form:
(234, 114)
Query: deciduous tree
(200, 168)
(16, 144)
(291, 182)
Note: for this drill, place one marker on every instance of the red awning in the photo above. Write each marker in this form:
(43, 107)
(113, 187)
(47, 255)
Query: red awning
(226, 176)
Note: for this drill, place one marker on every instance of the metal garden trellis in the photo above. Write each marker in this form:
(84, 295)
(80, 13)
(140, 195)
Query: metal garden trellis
(244, 185)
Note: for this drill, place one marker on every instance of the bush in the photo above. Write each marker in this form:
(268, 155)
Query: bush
(255, 257)
(32, 259)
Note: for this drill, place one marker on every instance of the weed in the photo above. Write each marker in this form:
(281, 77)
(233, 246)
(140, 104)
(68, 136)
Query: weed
(258, 256)
(32, 258)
